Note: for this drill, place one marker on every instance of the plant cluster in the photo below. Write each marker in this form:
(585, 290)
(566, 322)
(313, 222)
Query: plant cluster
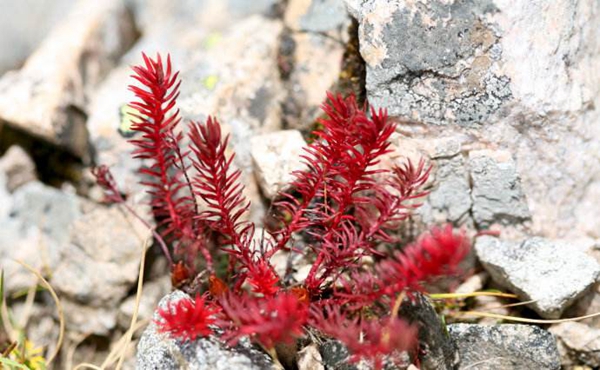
(337, 213)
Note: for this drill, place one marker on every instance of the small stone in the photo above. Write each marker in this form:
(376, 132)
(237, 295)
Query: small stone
(158, 351)
(309, 358)
(504, 346)
(18, 167)
(152, 292)
(552, 273)
(49, 99)
(317, 37)
(579, 343)
(473, 284)
(276, 155)
(497, 193)
(438, 351)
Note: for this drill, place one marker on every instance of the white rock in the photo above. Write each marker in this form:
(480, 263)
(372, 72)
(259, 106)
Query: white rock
(48, 96)
(551, 273)
(276, 156)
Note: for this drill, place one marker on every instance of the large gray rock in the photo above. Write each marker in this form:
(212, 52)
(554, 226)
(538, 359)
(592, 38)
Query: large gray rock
(158, 351)
(48, 97)
(497, 194)
(552, 273)
(505, 346)
(504, 75)
(578, 343)
(417, 54)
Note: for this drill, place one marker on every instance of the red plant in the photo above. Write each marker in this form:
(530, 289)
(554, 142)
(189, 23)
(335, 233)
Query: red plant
(188, 319)
(269, 320)
(374, 339)
(342, 205)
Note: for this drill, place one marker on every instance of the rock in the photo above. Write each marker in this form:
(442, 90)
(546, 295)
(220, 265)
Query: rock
(316, 16)
(578, 343)
(5, 198)
(49, 99)
(497, 193)
(23, 25)
(152, 292)
(335, 355)
(436, 350)
(450, 199)
(318, 33)
(504, 346)
(158, 351)
(90, 253)
(100, 263)
(495, 73)
(34, 229)
(276, 156)
(18, 167)
(83, 318)
(309, 358)
(160, 16)
(474, 283)
(552, 273)
(417, 54)
(588, 304)
(241, 88)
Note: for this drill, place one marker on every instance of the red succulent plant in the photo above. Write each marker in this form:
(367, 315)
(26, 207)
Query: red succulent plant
(342, 204)
(188, 319)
